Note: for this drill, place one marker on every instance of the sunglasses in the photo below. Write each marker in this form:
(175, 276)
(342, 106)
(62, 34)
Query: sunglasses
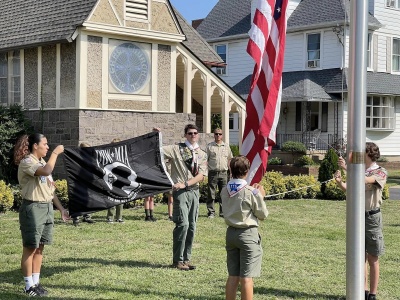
(217, 133)
(192, 133)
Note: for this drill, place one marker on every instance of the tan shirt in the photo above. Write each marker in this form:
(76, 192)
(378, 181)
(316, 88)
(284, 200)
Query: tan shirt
(373, 191)
(218, 156)
(179, 170)
(244, 209)
(34, 188)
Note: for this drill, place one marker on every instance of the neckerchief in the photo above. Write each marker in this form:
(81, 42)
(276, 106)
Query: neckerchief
(234, 186)
(189, 156)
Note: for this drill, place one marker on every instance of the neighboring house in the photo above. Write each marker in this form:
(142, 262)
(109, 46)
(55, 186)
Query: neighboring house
(92, 70)
(314, 96)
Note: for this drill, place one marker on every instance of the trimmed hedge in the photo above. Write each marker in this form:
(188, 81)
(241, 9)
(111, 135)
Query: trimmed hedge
(6, 197)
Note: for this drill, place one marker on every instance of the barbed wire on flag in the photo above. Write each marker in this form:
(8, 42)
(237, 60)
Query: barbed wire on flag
(298, 189)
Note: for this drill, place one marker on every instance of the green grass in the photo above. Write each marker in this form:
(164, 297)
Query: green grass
(393, 178)
(304, 256)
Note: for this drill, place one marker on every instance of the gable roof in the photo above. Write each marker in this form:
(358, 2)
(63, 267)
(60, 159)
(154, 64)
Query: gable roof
(228, 17)
(233, 17)
(33, 23)
(311, 13)
(196, 43)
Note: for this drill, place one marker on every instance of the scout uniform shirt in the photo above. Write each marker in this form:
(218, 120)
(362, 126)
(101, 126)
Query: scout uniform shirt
(34, 188)
(373, 191)
(243, 205)
(179, 170)
(218, 156)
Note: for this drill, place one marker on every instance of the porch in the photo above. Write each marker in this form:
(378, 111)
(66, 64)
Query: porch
(313, 141)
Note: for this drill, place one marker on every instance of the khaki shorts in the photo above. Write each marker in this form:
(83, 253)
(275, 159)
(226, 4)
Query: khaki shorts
(374, 244)
(243, 252)
(36, 221)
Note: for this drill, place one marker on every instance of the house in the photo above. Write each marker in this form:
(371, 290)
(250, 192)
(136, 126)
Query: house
(314, 95)
(92, 70)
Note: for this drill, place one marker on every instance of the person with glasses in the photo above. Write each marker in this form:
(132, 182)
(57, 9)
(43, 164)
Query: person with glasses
(188, 168)
(219, 154)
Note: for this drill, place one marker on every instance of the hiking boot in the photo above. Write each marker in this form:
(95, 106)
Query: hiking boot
(181, 266)
(189, 265)
(371, 297)
(110, 221)
(147, 219)
(153, 219)
(41, 289)
(75, 222)
(170, 218)
(120, 221)
(33, 291)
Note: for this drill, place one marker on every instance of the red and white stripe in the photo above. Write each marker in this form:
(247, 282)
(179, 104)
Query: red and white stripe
(266, 46)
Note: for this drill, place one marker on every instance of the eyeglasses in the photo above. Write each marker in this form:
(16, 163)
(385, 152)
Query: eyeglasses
(192, 133)
(217, 133)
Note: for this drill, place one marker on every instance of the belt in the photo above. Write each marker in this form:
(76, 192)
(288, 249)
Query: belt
(31, 201)
(218, 171)
(192, 188)
(372, 212)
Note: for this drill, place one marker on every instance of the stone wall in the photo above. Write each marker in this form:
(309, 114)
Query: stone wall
(73, 126)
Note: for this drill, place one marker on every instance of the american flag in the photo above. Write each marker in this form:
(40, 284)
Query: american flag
(266, 46)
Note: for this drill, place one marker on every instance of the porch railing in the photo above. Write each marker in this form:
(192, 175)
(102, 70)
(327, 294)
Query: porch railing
(321, 142)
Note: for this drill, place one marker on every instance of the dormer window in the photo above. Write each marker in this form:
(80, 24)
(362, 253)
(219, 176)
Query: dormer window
(137, 9)
(313, 50)
(221, 51)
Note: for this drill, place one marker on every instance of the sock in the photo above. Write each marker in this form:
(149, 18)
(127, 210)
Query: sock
(147, 212)
(151, 212)
(28, 282)
(35, 278)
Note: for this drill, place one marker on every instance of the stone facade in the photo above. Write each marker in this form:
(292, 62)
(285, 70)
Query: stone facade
(49, 58)
(164, 77)
(68, 75)
(31, 78)
(94, 72)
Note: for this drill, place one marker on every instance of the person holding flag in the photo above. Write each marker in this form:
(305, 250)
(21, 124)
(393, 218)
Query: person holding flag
(36, 215)
(188, 168)
(244, 207)
(375, 180)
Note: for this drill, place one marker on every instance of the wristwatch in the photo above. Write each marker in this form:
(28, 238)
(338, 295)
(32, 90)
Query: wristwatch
(186, 185)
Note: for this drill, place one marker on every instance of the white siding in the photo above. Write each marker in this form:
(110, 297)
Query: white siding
(239, 62)
(294, 53)
(292, 6)
(389, 17)
(331, 50)
(382, 53)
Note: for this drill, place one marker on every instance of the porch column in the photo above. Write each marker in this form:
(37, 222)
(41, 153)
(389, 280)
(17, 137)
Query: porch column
(225, 117)
(207, 93)
(187, 86)
(242, 119)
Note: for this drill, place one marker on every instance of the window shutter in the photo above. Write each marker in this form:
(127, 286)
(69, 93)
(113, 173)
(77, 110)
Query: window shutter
(137, 9)
(389, 55)
(375, 55)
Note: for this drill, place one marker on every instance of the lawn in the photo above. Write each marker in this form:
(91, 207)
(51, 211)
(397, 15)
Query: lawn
(304, 256)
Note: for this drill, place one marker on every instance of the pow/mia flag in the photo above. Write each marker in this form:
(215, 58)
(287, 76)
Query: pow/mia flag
(105, 176)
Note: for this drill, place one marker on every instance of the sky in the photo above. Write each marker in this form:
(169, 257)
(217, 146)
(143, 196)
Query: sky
(194, 9)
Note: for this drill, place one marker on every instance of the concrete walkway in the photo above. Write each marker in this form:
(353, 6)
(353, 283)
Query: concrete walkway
(394, 192)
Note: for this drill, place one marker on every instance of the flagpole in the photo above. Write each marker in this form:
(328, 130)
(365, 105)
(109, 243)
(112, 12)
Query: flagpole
(355, 206)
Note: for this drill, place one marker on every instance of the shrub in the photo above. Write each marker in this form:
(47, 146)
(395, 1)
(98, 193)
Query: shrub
(382, 159)
(313, 186)
(275, 161)
(235, 150)
(333, 192)
(328, 167)
(305, 160)
(62, 191)
(274, 183)
(17, 197)
(12, 125)
(293, 183)
(294, 147)
(385, 193)
(6, 197)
